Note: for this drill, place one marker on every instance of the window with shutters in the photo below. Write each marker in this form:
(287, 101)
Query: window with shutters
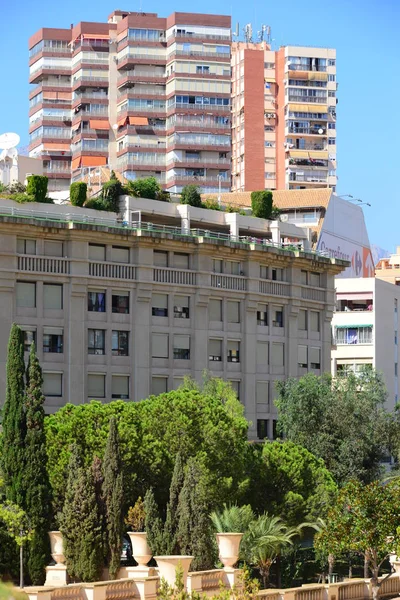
(277, 274)
(159, 306)
(302, 320)
(159, 342)
(52, 384)
(120, 254)
(120, 387)
(277, 354)
(262, 354)
(97, 301)
(277, 316)
(302, 356)
(96, 385)
(264, 272)
(262, 315)
(233, 348)
(160, 258)
(236, 387)
(217, 265)
(53, 296)
(215, 350)
(315, 358)
(315, 279)
(120, 343)
(53, 340)
(314, 321)
(97, 252)
(96, 341)
(181, 307)
(181, 260)
(262, 395)
(120, 302)
(26, 246)
(262, 429)
(181, 347)
(215, 310)
(304, 277)
(53, 248)
(232, 267)
(233, 311)
(26, 294)
(29, 337)
(159, 385)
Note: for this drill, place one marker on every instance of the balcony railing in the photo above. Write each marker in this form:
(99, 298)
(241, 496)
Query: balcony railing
(309, 146)
(193, 122)
(174, 276)
(295, 67)
(307, 99)
(200, 36)
(273, 288)
(199, 160)
(311, 293)
(112, 271)
(198, 53)
(308, 130)
(148, 56)
(197, 141)
(153, 159)
(89, 78)
(199, 107)
(41, 264)
(229, 282)
(151, 91)
(310, 178)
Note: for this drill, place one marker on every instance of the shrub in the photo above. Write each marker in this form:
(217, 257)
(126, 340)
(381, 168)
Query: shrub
(211, 204)
(77, 193)
(136, 516)
(37, 187)
(261, 204)
(163, 196)
(111, 192)
(191, 195)
(95, 203)
(147, 187)
(21, 198)
(235, 209)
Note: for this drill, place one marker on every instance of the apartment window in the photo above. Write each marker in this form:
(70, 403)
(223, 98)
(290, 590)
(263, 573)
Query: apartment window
(304, 277)
(120, 387)
(159, 385)
(302, 356)
(314, 321)
(26, 294)
(277, 354)
(262, 353)
(331, 141)
(277, 317)
(331, 62)
(302, 320)
(202, 69)
(52, 296)
(217, 265)
(233, 348)
(52, 384)
(120, 343)
(215, 350)
(263, 272)
(159, 305)
(159, 345)
(233, 311)
(262, 315)
(53, 340)
(96, 385)
(181, 307)
(97, 301)
(215, 310)
(96, 341)
(182, 347)
(331, 94)
(25, 246)
(315, 358)
(262, 395)
(331, 125)
(120, 302)
(235, 384)
(120, 254)
(331, 77)
(29, 338)
(233, 267)
(160, 258)
(277, 274)
(353, 335)
(315, 279)
(181, 260)
(97, 252)
(262, 429)
(53, 248)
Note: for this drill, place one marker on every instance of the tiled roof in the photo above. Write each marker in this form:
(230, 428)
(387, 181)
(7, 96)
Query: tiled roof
(283, 199)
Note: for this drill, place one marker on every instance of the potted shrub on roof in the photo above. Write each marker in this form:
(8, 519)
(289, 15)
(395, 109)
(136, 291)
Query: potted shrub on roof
(135, 519)
(230, 525)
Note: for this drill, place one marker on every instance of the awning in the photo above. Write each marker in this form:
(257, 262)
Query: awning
(57, 146)
(95, 36)
(311, 108)
(122, 121)
(352, 326)
(299, 153)
(318, 76)
(269, 79)
(354, 295)
(321, 155)
(98, 124)
(138, 121)
(297, 74)
(76, 163)
(93, 161)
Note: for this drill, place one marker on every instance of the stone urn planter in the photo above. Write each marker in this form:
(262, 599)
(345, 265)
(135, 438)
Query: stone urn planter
(167, 567)
(57, 547)
(140, 548)
(228, 547)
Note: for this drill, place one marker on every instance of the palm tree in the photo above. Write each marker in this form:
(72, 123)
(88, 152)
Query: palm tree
(233, 519)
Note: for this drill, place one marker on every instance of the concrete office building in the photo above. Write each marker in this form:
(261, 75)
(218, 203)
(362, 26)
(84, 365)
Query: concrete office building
(366, 329)
(125, 311)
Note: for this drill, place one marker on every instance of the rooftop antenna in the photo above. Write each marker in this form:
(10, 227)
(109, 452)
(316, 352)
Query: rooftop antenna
(268, 34)
(236, 32)
(260, 34)
(248, 33)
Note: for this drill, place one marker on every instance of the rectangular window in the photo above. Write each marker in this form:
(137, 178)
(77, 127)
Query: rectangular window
(160, 345)
(331, 141)
(181, 260)
(331, 77)
(52, 384)
(315, 358)
(53, 248)
(25, 246)
(26, 294)
(302, 354)
(120, 302)
(302, 320)
(215, 310)
(181, 307)
(52, 296)
(97, 301)
(236, 387)
(304, 277)
(233, 348)
(233, 267)
(217, 265)
(314, 321)
(120, 343)
(215, 350)
(96, 385)
(315, 279)
(182, 347)
(277, 354)
(160, 258)
(278, 317)
(262, 395)
(159, 306)
(264, 272)
(353, 335)
(159, 385)
(277, 274)
(233, 311)
(53, 340)
(262, 353)
(262, 429)
(120, 254)
(29, 337)
(331, 62)
(262, 315)
(96, 341)
(97, 252)
(120, 387)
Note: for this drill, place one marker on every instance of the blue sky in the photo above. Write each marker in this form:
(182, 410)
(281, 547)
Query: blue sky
(364, 32)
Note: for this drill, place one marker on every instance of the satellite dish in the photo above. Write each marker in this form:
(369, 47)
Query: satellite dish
(320, 131)
(9, 140)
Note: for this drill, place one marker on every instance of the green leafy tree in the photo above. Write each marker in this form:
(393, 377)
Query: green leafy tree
(37, 187)
(146, 187)
(171, 521)
(13, 421)
(340, 420)
(110, 193)
(191, 195)
(113, 495)
(77, 193)
(363, 520)
(18, 528)
(261, 204)
(37, 500)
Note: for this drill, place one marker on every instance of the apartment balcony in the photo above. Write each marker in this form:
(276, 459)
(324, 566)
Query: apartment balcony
(57, 172)
(200, 180)
(308, 177)
(140, 59)
(317, 130)
(178, 142)
(176, 36)
(143, 111)
(90, 98)
(308, 99)
(50, 52)
(140, 76)
(308, 146)
(149, 172)
(199, 54)
(209, 162)
(199, 108)
(304, 67)
(185, 123)
(90, 81)
(131, 94)
(136, 147)
(45, 70)
(89, 146)
(142, 162)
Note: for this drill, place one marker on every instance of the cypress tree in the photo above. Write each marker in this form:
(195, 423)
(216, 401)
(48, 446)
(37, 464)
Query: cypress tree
(194, 526)
(37, 500)
(13, 420)
(171, 521)
(113, 496)
(153, 525)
